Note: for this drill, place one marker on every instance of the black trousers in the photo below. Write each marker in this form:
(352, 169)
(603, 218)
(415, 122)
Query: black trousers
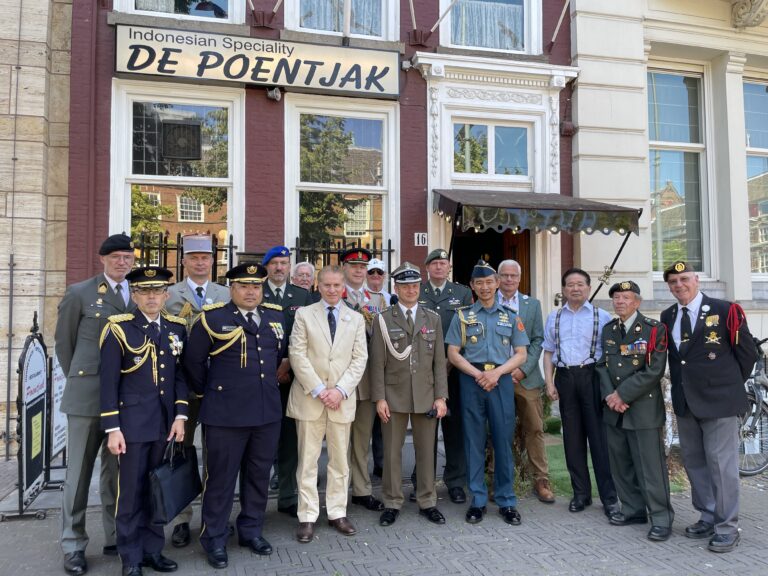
(287, 455)
(246, 451)
(581, 413)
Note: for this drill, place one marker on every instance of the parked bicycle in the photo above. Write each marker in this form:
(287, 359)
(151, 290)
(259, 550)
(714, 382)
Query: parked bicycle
(753, 448)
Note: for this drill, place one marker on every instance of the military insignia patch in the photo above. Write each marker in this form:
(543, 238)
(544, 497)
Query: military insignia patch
(102, 289)
(713, 320)
(679, 267)
(137, 360)
(712, 338)
(251, 269)
(444, 255)
(520, 326)
(626, 285)
(711, 355)
(150, 273)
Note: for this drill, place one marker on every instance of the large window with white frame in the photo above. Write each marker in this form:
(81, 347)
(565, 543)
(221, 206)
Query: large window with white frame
(232, 11)
(677, 164)
(341, 172)
(480, 147)
(756, 125)
(375, 19)
(494, 25)
(177, 161)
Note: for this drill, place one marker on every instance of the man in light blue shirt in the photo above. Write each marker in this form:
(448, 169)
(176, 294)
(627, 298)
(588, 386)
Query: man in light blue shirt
(571, 349)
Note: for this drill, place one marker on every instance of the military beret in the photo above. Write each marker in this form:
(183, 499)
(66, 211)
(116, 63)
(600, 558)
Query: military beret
(482, 269)
(406, 273)
(678, 267)
(247, 274)
(275, 252)
(437, 254)
(197, 243)
(149, 277)
(116, 243)
(356, 255)
(627, 286)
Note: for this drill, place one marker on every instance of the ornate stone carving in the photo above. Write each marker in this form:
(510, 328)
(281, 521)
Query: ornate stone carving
(745, 13)
(554, 138)
(434, 145)
(494, 95)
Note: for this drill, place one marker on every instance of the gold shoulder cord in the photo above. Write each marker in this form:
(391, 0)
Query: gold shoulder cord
(144, 351)
(463, 324)
(229, 338)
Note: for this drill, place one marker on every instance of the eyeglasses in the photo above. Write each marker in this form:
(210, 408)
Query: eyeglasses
(375, 271)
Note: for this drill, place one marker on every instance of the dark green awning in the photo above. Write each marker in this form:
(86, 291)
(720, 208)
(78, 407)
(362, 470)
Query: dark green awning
(500, 210)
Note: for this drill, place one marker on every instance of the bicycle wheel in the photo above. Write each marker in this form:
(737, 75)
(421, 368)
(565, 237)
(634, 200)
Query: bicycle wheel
(753, 446)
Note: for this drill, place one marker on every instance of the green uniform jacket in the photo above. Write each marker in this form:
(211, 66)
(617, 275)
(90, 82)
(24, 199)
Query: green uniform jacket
(410, 385)
(623, 368)
(83, 313)
(182, 302)
(452, 296)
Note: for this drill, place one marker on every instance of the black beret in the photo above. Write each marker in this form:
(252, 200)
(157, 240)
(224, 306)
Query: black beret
(678, 267)
(116, 243)
(627, 286)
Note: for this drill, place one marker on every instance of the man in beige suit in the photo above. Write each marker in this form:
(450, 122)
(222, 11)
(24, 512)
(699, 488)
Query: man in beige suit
(328, 354)
(409, 382)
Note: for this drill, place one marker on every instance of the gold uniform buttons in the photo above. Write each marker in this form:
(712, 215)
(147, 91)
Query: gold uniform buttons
(80, 373)
(98, 314)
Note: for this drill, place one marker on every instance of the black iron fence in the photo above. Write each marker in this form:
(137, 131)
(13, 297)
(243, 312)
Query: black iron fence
(160, 249)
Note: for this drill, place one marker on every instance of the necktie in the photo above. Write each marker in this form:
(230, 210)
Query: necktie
(278, 296)
(251, 317)
(331, 322)
(623, 329)
(437, 292)
(119, 292)
(154, 332)
(685, 327)
(200, 294)
(409, 320)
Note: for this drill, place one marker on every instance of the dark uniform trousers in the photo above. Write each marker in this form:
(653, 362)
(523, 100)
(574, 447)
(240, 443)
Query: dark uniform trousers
(580, 411)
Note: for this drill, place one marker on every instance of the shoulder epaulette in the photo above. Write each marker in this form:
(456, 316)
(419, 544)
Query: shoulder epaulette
(115, 318)
(612, 321)
(176, 319)
(464, 307)
(213, 306)
(650, 321)
(509, 309)
(272, 306)
(430, 311)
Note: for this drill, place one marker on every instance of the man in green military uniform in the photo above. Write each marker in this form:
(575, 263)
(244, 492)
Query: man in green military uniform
(186, 300)
(633, 363)
(408, 383)
(444, 297)
(83, 313)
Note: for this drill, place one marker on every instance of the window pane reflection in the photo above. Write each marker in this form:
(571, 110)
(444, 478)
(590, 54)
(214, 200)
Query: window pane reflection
(757, 192)
(673, 108)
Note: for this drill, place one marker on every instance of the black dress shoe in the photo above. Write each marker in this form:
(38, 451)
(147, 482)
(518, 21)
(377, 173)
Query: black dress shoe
(258, 544)
(378, 471)
(611, 509)
(578, 504)
(371, 503)
(75, 564)
(159, 563)
(619, 519)
(433, 515)
(132, 571)
(700, 529)
(217, 558)
(274, 482)
(457, 495)
(659, 533)
(510, 515)
(389, 516)
(474, 514)
(180, 536)
(292, 510)
(110, 550)
(724, 542)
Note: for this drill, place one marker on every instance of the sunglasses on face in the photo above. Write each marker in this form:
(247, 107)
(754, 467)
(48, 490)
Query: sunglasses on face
(377, 272)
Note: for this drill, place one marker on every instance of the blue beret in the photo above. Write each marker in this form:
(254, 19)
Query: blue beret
(277, 251)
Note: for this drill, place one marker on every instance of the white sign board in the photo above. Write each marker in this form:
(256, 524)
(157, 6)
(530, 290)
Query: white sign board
(34, 371)
(419, 238)
(203, 56)
(58, 418)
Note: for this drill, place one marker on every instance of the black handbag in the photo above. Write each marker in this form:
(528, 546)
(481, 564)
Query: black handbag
(175, 483)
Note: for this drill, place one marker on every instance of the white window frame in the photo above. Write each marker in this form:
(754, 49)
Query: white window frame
(390, 25)
(236, 12)
(388, 112)
(753, 151)
(352, 225)
(533, 30)
(179, 208)
(709, 250)
(491, 125)
(124, 93)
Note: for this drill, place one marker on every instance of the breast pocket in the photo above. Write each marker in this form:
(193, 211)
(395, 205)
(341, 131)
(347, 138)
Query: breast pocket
(429, 340)
(398, 339)
(504, 334)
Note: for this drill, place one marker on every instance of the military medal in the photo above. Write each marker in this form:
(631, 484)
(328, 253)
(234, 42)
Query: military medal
(635, 362)
(713, 320)
(711, 355)
(473, 339)
(137, 360)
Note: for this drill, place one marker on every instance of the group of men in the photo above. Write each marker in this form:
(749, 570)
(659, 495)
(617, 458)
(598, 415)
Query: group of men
(271, 369)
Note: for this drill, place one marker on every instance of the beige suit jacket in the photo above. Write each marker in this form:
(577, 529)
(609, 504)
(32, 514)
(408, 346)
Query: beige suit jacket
(315, 360)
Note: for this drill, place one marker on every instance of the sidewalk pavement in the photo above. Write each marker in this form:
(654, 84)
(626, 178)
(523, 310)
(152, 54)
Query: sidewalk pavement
(550, 541)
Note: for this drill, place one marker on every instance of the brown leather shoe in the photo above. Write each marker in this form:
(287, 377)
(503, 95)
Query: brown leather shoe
(343, 525)
(543, 491)
(306, 532)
